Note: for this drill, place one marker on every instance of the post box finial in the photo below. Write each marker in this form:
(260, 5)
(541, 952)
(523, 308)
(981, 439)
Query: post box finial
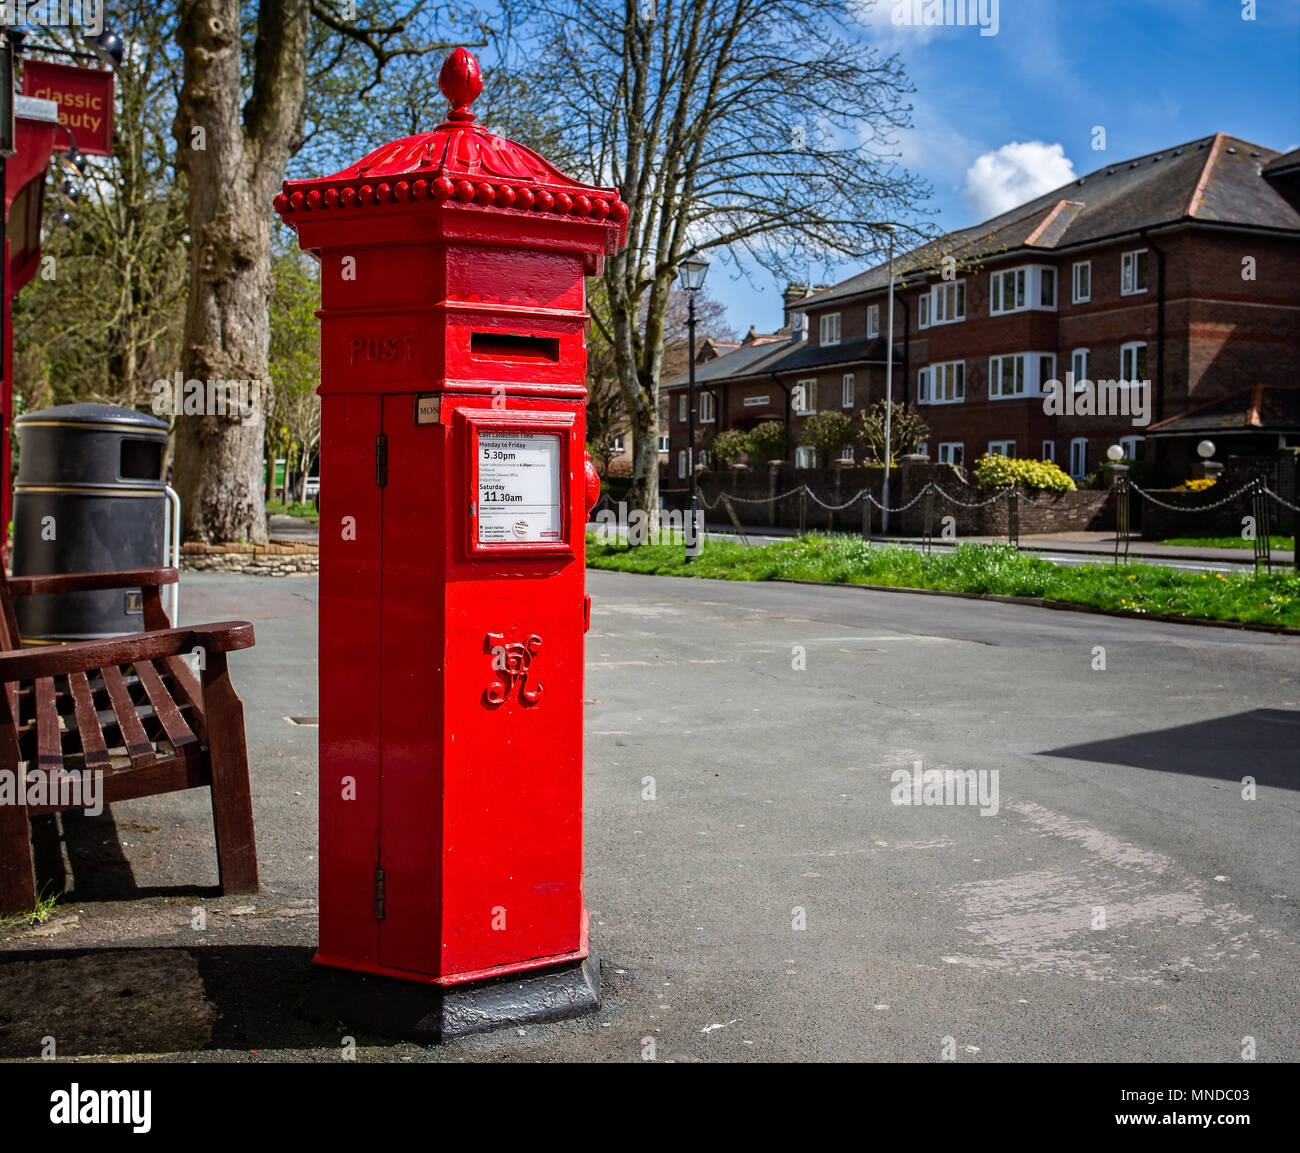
(461, 80)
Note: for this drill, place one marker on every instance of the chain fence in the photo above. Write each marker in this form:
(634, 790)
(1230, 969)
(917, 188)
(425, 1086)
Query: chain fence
(1257, 490)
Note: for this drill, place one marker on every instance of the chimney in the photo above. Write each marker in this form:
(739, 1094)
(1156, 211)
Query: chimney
(792, 295)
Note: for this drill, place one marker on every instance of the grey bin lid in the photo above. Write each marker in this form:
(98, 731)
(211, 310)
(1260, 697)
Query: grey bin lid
(75, 414)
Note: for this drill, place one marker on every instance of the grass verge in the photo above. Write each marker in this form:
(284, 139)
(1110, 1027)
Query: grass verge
(1274, 542)
(305, 511)
(969, 568)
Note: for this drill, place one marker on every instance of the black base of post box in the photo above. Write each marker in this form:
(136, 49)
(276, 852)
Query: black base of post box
(427, 1014)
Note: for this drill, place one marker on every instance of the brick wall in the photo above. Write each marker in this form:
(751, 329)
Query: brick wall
(1199, 519)
(1048, 512)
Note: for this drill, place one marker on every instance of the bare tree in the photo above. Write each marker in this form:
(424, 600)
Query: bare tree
(758, 127)
(245, 108)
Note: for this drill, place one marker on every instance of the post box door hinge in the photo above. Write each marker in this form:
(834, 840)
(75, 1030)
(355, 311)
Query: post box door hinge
(379, 893)
(381, 460)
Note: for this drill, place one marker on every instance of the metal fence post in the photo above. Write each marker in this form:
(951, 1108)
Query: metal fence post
(927, 526)
(803, 509)
(866, 516)
(1121, 514)
(1013, 516)
(1259, 509)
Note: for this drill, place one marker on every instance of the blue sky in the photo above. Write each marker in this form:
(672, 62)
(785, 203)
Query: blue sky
(1152, 73)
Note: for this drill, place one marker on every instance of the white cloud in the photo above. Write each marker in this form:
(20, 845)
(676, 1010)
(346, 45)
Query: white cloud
(877, 16)
(1014, 173)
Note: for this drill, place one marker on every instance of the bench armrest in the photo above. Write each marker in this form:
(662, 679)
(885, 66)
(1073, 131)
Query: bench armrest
(55, 660)
(28, 586)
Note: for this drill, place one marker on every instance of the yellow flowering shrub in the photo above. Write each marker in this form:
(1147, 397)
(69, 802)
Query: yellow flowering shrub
(995, 471)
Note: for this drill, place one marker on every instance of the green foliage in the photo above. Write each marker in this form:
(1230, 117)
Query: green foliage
(730, 445)
(906, 430)
(993, 569)
(293, 408)
(996, 471)
(769, 441)
(828, 432)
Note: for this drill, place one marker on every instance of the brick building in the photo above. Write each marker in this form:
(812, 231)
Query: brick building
(1145, 290)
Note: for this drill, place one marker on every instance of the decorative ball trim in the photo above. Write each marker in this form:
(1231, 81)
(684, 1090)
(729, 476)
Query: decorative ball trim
(514, 196)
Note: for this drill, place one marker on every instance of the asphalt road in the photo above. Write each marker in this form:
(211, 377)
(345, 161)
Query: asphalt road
(772, 902)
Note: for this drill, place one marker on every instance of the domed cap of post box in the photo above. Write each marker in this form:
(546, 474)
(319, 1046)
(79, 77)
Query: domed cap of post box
(459, 165)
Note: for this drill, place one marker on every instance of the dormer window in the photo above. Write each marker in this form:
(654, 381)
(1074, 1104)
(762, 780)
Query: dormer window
(830, 328)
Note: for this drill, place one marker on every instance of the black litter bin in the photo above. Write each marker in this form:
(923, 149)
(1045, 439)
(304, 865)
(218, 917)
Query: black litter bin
(89, 497)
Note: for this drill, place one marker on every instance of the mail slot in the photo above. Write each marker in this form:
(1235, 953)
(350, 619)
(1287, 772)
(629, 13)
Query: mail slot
(452, 584)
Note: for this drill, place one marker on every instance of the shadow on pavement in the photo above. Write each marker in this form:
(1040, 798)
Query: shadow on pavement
(96, 869)
(1262, 743)
(159, 1000)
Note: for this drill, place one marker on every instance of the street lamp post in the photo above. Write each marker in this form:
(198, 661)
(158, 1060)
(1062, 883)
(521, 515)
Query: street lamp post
(889, 384)
(691, 272)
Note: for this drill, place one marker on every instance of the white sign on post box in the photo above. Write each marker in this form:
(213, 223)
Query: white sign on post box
(518, 487)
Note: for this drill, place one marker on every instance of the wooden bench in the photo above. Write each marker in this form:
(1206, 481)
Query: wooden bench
(128, 708)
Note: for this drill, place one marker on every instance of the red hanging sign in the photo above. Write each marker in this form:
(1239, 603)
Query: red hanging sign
(85, 100)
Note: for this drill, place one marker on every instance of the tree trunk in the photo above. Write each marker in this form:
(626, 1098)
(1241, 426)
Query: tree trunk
(235, 157)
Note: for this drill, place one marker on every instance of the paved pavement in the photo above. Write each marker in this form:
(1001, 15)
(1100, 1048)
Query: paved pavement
(772, 902)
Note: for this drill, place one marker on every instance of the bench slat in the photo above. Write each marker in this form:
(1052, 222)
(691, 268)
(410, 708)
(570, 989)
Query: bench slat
(138, 746)
(93, 748)
(49, 745)
(178, 732)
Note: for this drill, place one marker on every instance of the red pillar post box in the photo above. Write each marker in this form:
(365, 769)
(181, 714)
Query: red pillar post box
(453, 509)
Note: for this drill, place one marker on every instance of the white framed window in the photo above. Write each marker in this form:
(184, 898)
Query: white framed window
(1006, 376)
(1078, 457)
(1047, 288)
(1133, 362)
(708, 408)
(1016, 289)
(949, 302)
(952, 452)
(1008, 291)
(1130, 446)
(705, 458)
(923, 311)
(846, 454)
(683, 408)
(942, 383)
(1049, 450)
(1079, 366)
(803, 399)
(618, 444)
(1020, 374)
(681, 463)
(805, 456)
(873, 321)
(1133, 272)
(829, 331)
(1002, 448)
(1083, 282)
(846, 390)
(663, 443)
